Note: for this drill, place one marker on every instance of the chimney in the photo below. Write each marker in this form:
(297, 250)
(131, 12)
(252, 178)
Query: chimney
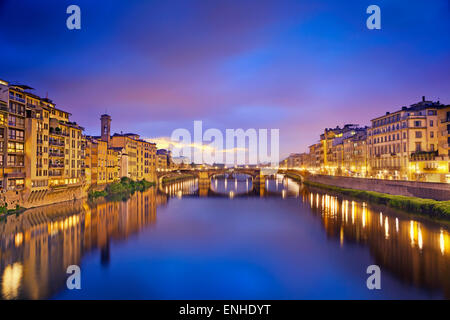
(423, 98)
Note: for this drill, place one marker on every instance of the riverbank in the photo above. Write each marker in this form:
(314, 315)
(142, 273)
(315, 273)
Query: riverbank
(416, 189)
(4, 211)
(122, 189)
(427, 207)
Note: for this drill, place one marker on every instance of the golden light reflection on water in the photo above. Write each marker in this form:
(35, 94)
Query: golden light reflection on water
(11, 279)
(386, 228)
(417, 251)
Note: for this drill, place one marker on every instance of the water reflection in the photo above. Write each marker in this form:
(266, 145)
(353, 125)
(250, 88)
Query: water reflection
(417, 252)
(231, 185)
(37, 246)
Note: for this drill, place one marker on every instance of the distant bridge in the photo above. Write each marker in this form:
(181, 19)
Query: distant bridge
(204, 178)
(207, 174)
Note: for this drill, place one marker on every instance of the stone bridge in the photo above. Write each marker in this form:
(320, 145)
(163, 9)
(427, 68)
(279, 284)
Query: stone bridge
(204, 176)
(258, 186)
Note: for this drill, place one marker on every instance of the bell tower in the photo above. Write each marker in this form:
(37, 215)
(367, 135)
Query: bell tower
(105, 127)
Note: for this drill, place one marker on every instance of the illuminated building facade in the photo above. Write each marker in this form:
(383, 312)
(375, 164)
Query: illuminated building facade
(404, 144)
(41, 148)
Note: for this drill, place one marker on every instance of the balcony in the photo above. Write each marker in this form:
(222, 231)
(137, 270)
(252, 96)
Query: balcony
(15, 124)
(19, 139)
(56, 154)
(56, 143)
(56, 165)
(58, 132)
(13, 97)
(15, 164)
(424, 155)
(14, 175)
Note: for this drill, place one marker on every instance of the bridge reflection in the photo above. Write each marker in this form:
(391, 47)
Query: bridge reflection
(234, 185)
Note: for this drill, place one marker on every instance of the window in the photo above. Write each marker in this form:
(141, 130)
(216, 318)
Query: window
(15, 147)
(15, 160)
(16, 121)
(418, 134)
(431, 134)
(16, 108)
(431, 147)
(3, 118)
(417, 123)
(15, 134)
(431, 123)
(418, 146)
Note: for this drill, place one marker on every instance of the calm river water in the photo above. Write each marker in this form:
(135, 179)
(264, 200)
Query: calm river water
(229, 240)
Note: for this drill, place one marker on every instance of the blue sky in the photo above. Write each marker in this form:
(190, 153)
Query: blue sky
(299, 66)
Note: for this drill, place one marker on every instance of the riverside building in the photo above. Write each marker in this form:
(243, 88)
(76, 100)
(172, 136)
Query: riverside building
(40, 146)
(404, 144)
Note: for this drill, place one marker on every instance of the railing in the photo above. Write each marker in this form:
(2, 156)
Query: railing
(15, 175)
(56, 165)
(56, 154)
(15, 164)
(55, 143)
(16, 138)
(18, 125)
(58, 133)
(423, 155)
(13, 97)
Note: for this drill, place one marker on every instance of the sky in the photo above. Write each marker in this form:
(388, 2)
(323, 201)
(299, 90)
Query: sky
(297, 66)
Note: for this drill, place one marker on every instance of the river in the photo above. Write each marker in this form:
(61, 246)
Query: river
(227, 240)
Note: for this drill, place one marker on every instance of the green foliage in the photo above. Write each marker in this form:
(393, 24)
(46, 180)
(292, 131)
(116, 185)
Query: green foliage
(97, 194)
(122, 189)
(433, 208)
(4, 211)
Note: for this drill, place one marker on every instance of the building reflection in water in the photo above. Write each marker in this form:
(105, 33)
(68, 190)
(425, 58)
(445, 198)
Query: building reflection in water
(37, 246)
(417, 252)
